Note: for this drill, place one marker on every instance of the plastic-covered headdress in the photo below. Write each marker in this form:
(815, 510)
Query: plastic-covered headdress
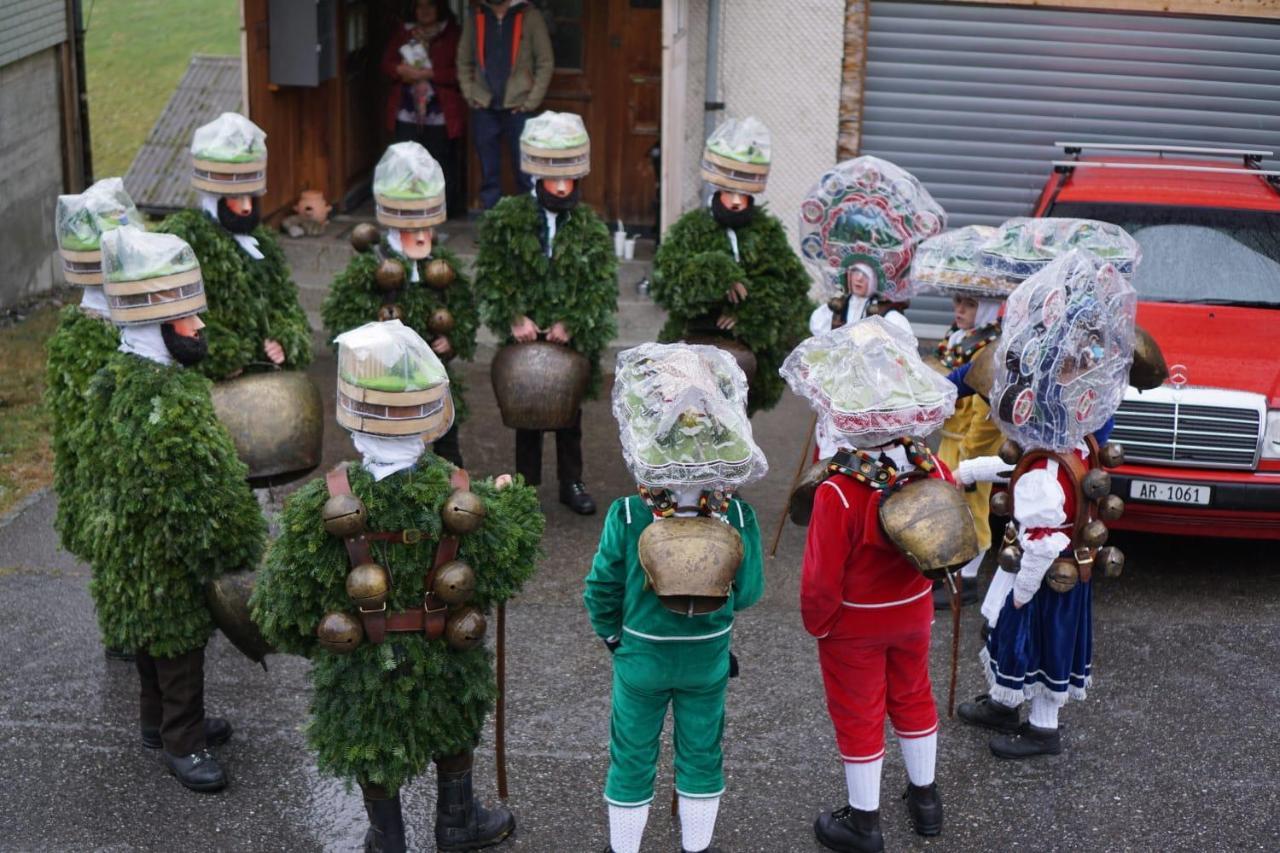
(682, 415)
(1022, 247)
(408, 188)
(150, 277)
(555, 145)
(390, 383)
(868, 382)
(229, 157)
(1062, 364)
(867, 212)
(81, 220)
(737, 156)
(948, 264)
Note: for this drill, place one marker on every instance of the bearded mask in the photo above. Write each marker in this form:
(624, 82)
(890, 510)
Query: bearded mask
(187, 350)
(555, 203)
(732, 218)
(237, 223)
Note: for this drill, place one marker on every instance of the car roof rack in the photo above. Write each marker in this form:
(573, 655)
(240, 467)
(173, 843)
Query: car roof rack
(1251, 156)
(1251, 159)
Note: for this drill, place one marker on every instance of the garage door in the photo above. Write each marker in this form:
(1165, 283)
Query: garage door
(971, 98)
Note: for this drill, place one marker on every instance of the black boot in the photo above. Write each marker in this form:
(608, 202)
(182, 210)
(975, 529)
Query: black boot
(217, 731)
(990, 714)
(577, 498)
(850, 830)
(199, 771)
(1026, 742)
(386, 823)
(118, 654)
(924, 808)
(461, 822)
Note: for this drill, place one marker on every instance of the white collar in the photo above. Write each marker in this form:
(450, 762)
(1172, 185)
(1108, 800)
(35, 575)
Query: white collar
(145, 341)
(209, 204)
(385, 455)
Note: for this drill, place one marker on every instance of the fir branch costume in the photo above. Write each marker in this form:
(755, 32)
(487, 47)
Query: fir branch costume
(383, 712)
(354, 299)
(578, 284)
(249, 300)
(172, 510)
(694, 267)
(78, 348)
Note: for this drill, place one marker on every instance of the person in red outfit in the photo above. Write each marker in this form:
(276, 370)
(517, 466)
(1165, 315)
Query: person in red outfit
(425, 104)
(869, 607)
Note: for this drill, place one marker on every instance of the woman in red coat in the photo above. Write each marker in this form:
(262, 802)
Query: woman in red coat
(425, 104)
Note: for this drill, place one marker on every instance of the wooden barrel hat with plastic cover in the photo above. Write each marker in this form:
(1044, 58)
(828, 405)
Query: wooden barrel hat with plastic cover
(229, 157)
(390, 383)
(150, 277)
(555, 145)
(408, 188)
(737, 155)
(81, 220)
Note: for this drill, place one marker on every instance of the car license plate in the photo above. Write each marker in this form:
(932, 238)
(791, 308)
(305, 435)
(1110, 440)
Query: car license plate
(1171, 493)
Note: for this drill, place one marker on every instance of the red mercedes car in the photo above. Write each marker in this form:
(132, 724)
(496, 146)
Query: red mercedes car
(1202, 451)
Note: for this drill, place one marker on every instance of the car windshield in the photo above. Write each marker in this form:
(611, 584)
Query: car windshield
(1197, 254)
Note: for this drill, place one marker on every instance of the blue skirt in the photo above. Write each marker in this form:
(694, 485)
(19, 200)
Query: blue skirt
(1044, 648)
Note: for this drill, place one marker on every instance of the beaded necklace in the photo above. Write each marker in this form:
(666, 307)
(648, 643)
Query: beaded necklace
(663, 502)
(881, 473)
(972, 343)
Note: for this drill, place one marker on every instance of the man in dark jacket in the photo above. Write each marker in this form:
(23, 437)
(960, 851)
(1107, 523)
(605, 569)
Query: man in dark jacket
(504, 69)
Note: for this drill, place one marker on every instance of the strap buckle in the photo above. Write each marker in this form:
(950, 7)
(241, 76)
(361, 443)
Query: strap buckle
(381, 608)
(427, 609)
(1084, 556)
(411, 536)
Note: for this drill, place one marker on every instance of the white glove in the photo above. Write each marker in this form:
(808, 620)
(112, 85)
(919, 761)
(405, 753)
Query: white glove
(983, 469)
(1037, 555)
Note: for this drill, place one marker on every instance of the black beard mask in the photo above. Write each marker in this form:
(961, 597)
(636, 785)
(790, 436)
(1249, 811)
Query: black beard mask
(185, 350)
(234, 222)
(732, 218)
(554, 203)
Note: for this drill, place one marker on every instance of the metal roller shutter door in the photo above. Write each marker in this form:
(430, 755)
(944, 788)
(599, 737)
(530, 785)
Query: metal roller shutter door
(971, 98)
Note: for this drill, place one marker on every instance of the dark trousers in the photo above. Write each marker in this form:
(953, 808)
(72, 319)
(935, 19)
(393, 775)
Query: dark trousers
(172, 699)
(448, 447)
(446, 151)
(488, 127)
(568, 453)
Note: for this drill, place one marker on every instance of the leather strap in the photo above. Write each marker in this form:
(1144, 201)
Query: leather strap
(1086, 510)
(358, 552)
(446, 550)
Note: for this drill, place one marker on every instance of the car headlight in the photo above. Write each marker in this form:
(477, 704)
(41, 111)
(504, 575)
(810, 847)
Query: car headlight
(1271, 438)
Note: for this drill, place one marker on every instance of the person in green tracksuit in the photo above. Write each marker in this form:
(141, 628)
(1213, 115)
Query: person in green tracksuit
(687, 440)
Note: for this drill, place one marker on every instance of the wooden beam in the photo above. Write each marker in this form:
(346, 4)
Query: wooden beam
(853, 79)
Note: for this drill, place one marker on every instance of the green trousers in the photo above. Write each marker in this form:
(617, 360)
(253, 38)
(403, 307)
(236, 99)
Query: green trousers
(691, 677)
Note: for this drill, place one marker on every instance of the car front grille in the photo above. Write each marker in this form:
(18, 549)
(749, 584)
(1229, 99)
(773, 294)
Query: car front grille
(1191, 427)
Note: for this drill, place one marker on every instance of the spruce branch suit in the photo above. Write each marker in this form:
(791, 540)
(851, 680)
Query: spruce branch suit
(665, 659)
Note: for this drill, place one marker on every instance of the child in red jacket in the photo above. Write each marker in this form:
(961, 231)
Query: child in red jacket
(869, 607)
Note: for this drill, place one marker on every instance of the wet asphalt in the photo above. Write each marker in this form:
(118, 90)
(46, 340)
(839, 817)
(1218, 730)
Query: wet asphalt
(1175, 749)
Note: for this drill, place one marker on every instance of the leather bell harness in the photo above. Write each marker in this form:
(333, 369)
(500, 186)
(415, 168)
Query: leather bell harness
(428, 619)
(880, 473)
(1086, 510)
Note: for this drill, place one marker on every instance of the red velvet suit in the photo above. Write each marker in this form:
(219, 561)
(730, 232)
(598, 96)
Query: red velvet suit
(872, 613)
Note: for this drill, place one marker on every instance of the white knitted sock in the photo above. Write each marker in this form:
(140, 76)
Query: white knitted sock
(1044, 713)
(626, 827)
(920, 754)
(697, 821)
(863, 779)
(969, 570)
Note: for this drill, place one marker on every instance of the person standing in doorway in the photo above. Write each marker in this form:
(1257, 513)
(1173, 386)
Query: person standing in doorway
(504, 69)
(425, 105)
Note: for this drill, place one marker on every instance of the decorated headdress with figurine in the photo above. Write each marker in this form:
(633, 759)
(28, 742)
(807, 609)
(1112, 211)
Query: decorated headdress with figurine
(81, 220)
(555, 145)
(948, 264)
(229, 157)
(682, 415)
(1022, 246)
(868, 212)
(737, 156)
(868, 382)
(408, 188)
(1062, 363)
(149, 277)
(390, 383)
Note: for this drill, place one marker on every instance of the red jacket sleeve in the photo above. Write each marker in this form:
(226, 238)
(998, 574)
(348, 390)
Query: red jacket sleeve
(832, 534)
(391, 56)
(444, 58)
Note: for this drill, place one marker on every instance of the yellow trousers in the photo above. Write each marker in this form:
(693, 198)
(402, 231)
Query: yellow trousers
(969, 433)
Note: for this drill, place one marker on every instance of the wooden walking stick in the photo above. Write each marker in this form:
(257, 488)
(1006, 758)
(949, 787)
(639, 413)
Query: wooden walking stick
(499, 716)
(804, 457)
(956, 582)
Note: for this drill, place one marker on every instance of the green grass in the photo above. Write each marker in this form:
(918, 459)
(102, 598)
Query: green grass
(136, 51)
(26, 459)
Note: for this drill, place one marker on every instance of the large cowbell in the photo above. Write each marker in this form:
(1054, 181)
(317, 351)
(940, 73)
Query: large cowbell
(930, 523)
(275, 420)
(228, 598)
(690, 562)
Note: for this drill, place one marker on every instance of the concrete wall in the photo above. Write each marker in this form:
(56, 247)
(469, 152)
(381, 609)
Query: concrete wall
(781, 63)
(30, 175)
